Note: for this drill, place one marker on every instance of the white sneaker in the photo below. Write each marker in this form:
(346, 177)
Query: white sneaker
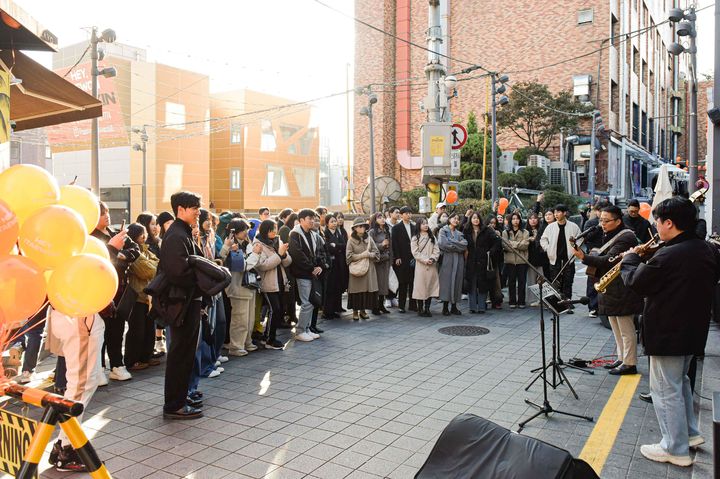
(314, 335)
(655, 452)
(160, 346)
(214, 374)
(24, 378)
(695, 441)
(217, 363)
(223, 359)
(463, 297)
(238, 352)
(304, 336)
(220, 369)
(394, 303)
(250, 347)
(102, 379)
(120, 374)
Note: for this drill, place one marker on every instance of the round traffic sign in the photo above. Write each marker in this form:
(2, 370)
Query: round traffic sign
(458, 136)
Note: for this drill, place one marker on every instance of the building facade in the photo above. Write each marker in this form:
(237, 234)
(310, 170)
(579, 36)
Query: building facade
(620, 65)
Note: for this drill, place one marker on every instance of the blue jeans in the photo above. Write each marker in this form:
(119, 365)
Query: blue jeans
(673, 402)
(306, 308)
(60, 373)
(220, 325)
(477, 299)
(32, 340)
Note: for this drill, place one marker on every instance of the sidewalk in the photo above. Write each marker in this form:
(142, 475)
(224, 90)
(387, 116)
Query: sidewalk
(370, 398)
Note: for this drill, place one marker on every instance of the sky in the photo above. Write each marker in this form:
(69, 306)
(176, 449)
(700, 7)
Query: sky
(297, 49)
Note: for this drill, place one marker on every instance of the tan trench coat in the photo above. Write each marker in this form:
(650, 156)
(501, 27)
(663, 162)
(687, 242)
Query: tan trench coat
(426, 283)
(354, 252)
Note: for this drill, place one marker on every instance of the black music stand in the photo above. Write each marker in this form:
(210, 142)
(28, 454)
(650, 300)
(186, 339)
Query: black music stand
(546, 408)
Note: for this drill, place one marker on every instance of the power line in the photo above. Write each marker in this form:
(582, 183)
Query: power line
(77, 62)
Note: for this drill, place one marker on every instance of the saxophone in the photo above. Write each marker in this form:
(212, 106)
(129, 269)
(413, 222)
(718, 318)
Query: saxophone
(602, 285)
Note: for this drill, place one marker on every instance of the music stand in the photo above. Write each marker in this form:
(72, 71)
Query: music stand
(546, 408)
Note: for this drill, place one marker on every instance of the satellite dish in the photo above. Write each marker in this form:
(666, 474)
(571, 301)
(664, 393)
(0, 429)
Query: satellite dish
(387, 190)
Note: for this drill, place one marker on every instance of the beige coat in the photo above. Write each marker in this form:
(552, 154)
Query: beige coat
(267, 262)
(355, 251)
(427, 282)
(519, 240)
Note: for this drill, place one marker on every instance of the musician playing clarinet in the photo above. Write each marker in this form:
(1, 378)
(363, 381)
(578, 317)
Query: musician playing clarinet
(678, 284)
(619, 303)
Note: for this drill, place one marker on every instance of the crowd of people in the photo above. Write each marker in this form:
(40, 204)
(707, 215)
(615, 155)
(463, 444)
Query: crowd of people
(287, 271)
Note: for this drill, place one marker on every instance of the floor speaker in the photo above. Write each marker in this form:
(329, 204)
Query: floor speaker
(471, 447)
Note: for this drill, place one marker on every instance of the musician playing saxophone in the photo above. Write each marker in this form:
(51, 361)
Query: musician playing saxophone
(618, 303)
(678, 284)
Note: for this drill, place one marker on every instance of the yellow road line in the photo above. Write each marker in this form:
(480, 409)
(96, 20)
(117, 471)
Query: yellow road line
(599, 444)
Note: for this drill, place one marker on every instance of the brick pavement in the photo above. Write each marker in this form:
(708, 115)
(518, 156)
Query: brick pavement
(369, 400)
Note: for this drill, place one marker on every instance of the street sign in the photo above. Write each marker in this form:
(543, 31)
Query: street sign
(458, 136)
(16, 432)
(455, 163)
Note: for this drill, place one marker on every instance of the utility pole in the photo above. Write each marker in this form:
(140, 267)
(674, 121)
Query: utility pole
(693, 120)
(715, 187)
(137, 147)
(94, 131)
(367, 111)
(496, 90)
(435, 68)
(591, 166)
(347, 137)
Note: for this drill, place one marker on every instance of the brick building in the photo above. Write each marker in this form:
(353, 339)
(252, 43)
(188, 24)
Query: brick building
(630, 77)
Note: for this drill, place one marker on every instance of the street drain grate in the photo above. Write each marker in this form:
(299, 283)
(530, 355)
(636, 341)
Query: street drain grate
(464, 330)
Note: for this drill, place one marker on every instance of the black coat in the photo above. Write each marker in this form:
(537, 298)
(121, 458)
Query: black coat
(640, 226)
(336, 244)
(617, 300)
(594, 239)
(476, 263)
(177, 246)
(678, 283)
(536, 255)
(401, 250)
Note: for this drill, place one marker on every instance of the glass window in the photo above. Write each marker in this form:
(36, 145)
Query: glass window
(267, 138)
(585, 16)
(635, 123)
(306, 179)
(236, 134)
(287, 131)
(306, 141)
(275, 182)
(235, 179)
(174, 116)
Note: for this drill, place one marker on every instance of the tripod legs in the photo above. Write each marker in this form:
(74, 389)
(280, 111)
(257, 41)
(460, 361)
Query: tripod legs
(546, 409)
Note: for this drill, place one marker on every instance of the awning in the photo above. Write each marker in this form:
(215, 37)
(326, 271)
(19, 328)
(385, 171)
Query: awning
(43, 98)
(20, 31)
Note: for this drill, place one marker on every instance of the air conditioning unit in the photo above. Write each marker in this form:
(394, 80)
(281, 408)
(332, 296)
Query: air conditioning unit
(540, 162)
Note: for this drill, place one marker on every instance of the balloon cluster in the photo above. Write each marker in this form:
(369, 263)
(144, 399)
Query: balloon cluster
(645, 210)
(46, 250)
(502, 205)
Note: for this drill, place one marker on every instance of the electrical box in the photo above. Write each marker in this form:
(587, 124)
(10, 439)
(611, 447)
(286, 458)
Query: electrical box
(435, 151)
(424, 204)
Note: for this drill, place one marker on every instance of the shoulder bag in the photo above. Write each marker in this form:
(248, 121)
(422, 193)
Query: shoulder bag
(361, 267)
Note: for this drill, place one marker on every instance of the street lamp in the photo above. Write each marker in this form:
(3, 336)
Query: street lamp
(137, 147)
(367, 111)
(107, 36)
(498, 88)
(685, 20)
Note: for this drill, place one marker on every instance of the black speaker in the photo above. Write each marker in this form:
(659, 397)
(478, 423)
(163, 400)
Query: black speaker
(471, 447)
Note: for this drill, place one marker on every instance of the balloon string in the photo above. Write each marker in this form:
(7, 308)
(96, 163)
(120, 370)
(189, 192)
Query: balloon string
(6, 343)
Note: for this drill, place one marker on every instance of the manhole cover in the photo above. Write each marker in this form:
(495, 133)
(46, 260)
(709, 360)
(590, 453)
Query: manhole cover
(464, 331)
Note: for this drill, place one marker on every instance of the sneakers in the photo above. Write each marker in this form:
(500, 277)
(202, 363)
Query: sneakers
(160, 346)
(120, 374)
(251, 347)
(24, 378)
(304, 337)
(239, 352)
(220, 369)
(314, 335)
(592, 313)
(696, 441)
(275, 344)
(535, 304)
(655, 452)
(214, 373)
(102, 379)
(223, 359)
(138, 366)
(394, 303)
(66, 459)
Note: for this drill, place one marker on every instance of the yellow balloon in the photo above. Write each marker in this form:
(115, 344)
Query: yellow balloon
(26, 188)
(52, 235)
(84, 202)
(83, 285)
(96, 247)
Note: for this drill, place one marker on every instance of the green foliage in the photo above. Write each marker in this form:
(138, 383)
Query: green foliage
(464, 204)
(473, 152)
(533, 178)
(472, 171)
(521, 156)
(472, 126)
(473, 189)
(535, 115)
(510, 179)
(553, 197)
(411, 198)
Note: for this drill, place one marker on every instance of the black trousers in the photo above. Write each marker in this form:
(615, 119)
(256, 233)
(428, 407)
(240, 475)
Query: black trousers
(181, 357)
(517, 279)
(114, 330)
(288, 299)
(274, 301)
(565, 281)
(405, 290)
(140, 336)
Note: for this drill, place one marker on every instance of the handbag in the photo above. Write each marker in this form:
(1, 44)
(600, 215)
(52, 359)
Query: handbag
(316, 296)
(251, 280)
(126, 303)
(361, 267)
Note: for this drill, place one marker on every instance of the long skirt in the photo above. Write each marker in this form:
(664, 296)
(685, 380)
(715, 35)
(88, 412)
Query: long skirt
(360, 301)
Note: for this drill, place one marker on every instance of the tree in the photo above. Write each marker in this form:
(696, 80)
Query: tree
(473, 150)
(521, 156)
(473, 189)
(533, 177)
(535, 115)
(510, 179)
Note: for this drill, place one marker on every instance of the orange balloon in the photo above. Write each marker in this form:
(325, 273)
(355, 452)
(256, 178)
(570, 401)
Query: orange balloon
(96, 247)
(83, 285)
(84, 202)
(52, 235)
(451, 197)
(22, 288)
(502, 205)
(645, 210)
(9, 228)
(26, 188)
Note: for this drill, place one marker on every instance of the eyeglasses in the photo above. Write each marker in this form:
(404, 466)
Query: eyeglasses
(608, 221)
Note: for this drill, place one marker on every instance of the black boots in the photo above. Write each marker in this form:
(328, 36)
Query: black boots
(446, 310)
(455, 310)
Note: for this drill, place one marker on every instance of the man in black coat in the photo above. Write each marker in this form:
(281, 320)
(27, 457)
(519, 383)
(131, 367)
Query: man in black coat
(637, 223)
(404, 264)
(678, 284)
(593, 239)
(619, 303)
(177, 246)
